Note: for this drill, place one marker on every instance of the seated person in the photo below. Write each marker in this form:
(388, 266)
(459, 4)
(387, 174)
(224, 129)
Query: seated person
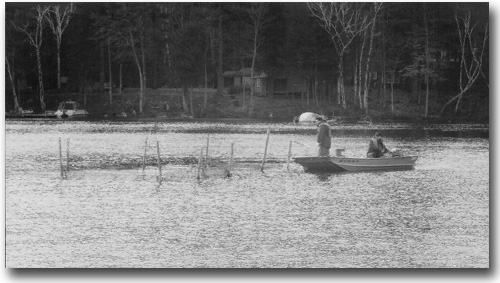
(376, 147)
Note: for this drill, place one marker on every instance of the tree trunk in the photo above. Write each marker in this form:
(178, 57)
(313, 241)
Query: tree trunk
(139, 69)
(220, 78)
(206, 86)
(308, 94)
(141, 94)
(341, 81)
(40, 80)
(144, 81)
(393, 78)
(426, 63)
(360, 73)
(102, 76)
(245, 102)
(121, 80)
(355, 84)
(316, 92)
(184, 100)
(367, 81)
(252, 79)
(110, 76)
(384, 58)
(392, 92)
(383, 87)
(418, 90)
(191, 107)
(58, 66)
(458, 96)
(11, 77)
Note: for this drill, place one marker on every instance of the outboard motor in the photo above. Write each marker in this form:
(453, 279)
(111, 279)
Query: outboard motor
(395, 152)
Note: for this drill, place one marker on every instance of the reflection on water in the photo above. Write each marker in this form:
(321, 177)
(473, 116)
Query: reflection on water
(434, 216)
(322, 177)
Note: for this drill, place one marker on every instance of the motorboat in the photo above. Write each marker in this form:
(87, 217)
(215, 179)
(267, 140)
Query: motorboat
(70, 109)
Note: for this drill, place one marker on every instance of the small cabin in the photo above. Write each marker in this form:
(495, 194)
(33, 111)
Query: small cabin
(244, 77)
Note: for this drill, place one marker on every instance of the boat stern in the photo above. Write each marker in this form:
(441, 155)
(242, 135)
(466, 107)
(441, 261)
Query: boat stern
(318, 164)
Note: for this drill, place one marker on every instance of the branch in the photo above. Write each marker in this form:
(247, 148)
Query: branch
(472, 69)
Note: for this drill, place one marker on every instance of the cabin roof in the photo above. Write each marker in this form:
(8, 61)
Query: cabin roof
(244, 72)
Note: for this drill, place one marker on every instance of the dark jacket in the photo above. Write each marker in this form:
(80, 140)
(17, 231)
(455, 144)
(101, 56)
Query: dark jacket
(376, 147)
(324, 137)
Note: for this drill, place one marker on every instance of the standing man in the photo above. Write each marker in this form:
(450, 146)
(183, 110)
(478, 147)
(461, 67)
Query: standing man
(324, 137)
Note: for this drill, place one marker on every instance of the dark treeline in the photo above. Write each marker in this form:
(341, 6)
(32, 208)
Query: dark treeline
(355, 56)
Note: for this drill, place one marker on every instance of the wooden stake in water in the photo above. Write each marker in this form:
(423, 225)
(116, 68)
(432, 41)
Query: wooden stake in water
(199, 164)
(60, 159)
(206, 156)
(289, 155)
(144, 156)
(67, 155)
(159, 161)
(265, 150)
(231, 159)
(229, 166)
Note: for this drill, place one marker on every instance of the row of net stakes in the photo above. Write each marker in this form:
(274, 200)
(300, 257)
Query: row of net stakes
(202, 166)
(203, 162)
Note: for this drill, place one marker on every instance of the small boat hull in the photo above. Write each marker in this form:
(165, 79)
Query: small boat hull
(70, 109)
(343, 164)
(79, 113)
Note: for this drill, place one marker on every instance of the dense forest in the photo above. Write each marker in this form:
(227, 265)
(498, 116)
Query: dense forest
(354, 57)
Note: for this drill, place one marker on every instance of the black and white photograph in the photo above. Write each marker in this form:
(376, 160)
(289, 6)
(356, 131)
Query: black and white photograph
(247, 135)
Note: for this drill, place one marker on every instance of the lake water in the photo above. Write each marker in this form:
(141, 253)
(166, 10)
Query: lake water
(107, 215)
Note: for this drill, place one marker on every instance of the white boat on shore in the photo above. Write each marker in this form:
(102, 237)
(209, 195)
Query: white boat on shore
(70, 109)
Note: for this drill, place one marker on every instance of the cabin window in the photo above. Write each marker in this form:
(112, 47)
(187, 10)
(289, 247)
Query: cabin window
(246, 81)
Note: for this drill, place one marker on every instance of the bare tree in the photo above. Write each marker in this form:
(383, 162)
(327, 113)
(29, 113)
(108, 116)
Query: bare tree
(358, 83)
(10, 71)
(125, 29)
(140, 62)
(343, 22)
(220, 56)
(34, 32)
(393, 77)
(426, 62)
(471, 60)
(58, 20)
(10, 55)
(110, 81)
(257, 12)
(377, 7)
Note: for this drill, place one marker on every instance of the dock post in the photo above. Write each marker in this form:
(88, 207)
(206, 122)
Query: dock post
(144, 156)
(199, 164)
(265, 151)
(206, 155)
(232, 153)
(60, 160)
(159, 161)
(229, 166)
(289, 155)
(67, 155)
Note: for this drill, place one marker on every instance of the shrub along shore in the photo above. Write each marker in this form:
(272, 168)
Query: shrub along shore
(201, 103)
